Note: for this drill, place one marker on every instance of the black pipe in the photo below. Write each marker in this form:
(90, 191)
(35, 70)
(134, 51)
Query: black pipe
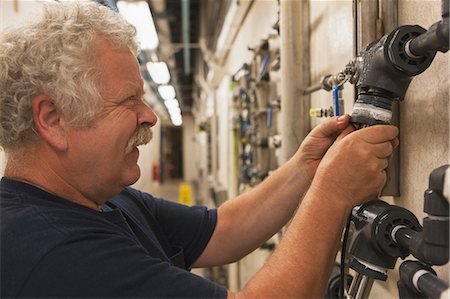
(428, 283)
(436, 38)
(429, 245)
(444, 8)
(410, 239)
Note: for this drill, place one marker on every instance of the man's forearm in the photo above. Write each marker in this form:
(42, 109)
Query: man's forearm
(302, 263)
(258, 213)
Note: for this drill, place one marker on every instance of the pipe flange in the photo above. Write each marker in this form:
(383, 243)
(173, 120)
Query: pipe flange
(397, 50)
(382, 231)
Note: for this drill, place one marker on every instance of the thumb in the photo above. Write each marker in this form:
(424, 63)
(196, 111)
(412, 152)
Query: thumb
(331, 127)
(345, 132)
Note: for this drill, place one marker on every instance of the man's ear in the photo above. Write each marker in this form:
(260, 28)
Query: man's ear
(49, 122)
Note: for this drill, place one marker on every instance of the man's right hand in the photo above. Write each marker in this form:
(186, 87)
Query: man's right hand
(353, 169)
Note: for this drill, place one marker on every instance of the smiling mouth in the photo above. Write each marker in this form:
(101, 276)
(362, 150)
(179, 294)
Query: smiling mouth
(143, 135)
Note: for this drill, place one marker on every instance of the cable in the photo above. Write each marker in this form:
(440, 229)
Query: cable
(343, 251)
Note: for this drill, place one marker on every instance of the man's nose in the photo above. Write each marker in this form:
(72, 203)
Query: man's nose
(146, 114)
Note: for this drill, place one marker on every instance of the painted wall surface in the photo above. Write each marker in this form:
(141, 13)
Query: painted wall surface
(331, 41)
(14, 12)
(223, 121)
(189, 149)
(256, 27)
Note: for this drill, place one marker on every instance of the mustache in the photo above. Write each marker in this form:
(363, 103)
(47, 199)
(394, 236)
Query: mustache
(143, 135)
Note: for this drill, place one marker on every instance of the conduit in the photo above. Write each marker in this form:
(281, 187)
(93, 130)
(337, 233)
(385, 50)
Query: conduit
(186, 38)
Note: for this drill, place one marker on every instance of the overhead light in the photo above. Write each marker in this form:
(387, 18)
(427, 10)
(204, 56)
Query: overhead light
(166, 92)
(159, 72)
(175, 111)
(138, 13)
(171, 104)
(177, 120)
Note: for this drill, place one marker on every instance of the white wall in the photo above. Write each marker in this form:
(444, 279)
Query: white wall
(224, 122)
(256, 27)
(331, 48)
(14, 12)
(189, 148)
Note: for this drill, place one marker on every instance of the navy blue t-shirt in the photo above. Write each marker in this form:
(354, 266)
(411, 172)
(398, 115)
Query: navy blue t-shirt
(137, 246)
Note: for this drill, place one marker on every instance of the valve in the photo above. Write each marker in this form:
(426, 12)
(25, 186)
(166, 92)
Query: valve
(385, 68)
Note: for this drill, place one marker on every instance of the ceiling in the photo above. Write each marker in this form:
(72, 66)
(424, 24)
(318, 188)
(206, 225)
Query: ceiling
(204, 17)
(180, 39)
(183, 74)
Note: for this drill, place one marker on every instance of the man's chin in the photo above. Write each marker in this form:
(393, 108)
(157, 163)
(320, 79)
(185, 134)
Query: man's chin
(134, 177)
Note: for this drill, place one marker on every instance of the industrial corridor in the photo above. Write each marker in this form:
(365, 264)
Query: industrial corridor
(224, 149)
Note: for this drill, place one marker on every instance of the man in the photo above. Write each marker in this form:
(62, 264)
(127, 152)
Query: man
(71, 117)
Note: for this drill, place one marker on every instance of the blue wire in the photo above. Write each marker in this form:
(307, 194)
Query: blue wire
(336, 100)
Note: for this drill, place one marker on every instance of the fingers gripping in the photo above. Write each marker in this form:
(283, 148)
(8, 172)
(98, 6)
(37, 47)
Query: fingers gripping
(382, 140)
(378, 134)
(360, 158)
(383, 150)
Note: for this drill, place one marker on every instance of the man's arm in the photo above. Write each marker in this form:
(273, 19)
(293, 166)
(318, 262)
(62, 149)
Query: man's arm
(351, 173)
(247, 221)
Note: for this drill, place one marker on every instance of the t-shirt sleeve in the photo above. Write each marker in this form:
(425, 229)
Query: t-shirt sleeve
(188, 227)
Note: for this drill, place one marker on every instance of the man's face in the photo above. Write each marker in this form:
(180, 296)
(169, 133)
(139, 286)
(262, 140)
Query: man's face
(104, 155)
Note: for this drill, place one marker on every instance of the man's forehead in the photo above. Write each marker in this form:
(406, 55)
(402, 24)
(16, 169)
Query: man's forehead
(125, 89)
(119, 69)
(137, 87)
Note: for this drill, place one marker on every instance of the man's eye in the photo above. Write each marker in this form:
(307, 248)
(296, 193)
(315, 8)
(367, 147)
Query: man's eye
(130, 100)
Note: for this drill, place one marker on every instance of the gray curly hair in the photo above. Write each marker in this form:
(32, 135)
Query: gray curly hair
(54, 56)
